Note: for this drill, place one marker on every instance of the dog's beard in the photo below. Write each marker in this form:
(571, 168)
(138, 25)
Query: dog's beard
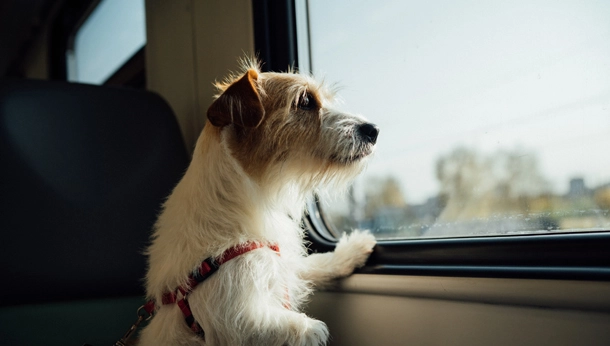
(354, 155)
(341, 142)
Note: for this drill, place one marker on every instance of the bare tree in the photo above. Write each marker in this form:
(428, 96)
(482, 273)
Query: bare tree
(474, 185)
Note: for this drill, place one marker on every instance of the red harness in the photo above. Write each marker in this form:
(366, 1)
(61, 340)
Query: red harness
(208, 267)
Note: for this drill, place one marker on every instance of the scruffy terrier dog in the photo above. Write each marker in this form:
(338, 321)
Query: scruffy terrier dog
(228, 264)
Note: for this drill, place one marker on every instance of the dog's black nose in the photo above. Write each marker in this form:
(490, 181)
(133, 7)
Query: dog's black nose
(368, 132)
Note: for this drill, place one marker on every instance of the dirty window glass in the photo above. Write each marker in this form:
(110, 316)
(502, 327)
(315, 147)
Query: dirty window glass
(494, 116)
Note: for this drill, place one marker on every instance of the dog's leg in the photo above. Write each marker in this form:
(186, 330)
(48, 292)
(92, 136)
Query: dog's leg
(351, 252)
(244, 303)
(284, 327)
(269, 327)
(261, 324)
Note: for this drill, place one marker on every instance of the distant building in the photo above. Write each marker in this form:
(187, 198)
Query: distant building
(428, 211)
(578, 188)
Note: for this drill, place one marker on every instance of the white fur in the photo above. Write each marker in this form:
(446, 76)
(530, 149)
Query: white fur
(255, 298)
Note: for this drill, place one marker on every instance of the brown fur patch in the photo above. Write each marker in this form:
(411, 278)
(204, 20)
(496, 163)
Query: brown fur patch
(286, 132)
(239, 104)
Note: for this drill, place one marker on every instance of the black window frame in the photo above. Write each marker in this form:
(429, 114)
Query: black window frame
(565, 255)
(275, 41)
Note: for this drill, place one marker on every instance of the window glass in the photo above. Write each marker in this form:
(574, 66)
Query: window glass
(112, 34)
(494, 116)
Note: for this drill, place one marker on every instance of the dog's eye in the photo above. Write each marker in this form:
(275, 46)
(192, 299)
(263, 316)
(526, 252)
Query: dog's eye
(306, 102)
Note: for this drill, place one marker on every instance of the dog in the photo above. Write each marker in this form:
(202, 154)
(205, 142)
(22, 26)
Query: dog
(271, 140)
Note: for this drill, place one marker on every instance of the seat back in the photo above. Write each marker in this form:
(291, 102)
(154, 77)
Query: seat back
(83, 172)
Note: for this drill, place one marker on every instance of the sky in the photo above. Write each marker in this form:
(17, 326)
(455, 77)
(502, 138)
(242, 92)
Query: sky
(434, 75)
(112, 34)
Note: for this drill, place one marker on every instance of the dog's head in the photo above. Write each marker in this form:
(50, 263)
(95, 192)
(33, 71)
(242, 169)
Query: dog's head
(284, 124)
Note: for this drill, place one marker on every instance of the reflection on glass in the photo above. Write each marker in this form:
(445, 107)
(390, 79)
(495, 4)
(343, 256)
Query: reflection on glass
(494, 117)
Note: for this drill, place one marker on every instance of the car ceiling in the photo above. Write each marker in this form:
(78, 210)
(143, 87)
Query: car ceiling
(20, 22)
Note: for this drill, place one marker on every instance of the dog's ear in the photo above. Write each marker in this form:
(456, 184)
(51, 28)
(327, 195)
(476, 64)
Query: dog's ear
(240, 104)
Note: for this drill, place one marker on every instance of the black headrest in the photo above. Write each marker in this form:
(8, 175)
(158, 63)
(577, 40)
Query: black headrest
(83, 172)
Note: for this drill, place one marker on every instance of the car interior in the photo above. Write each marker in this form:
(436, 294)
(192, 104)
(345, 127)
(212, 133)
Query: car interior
(85, 167)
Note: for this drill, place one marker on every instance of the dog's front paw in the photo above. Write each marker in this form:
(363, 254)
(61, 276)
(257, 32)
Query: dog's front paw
(354, 249)
(314, 334)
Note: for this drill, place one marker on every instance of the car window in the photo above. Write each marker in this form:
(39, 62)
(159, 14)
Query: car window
(494, 116)
(113, 32)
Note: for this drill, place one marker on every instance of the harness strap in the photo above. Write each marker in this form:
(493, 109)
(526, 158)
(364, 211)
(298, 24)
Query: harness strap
(208, 267)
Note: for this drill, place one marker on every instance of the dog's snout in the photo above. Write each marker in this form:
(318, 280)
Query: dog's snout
(368, 132)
